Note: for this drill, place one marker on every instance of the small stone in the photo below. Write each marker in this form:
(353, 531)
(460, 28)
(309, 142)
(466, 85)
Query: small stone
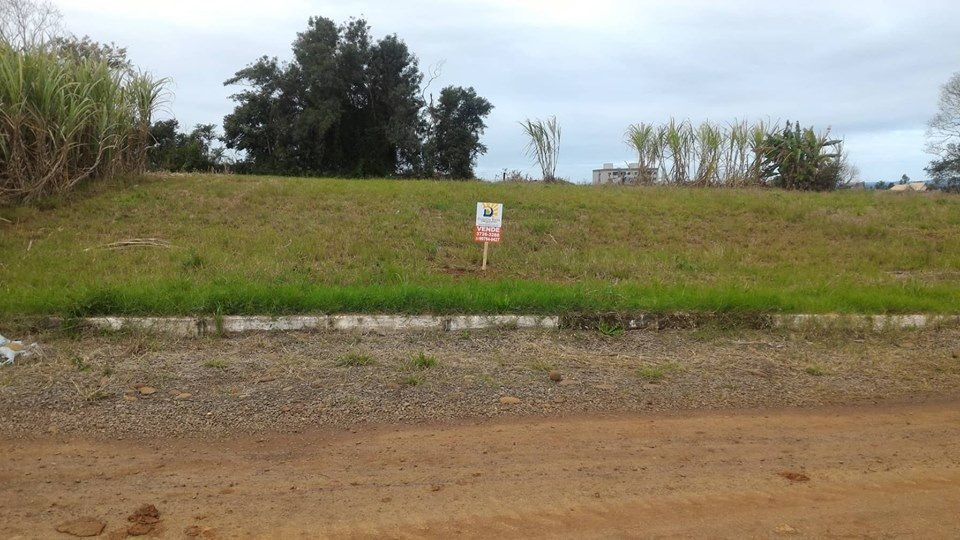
(146, 390)
(85, 526)
(794, 476)
(139, 529)
(128, 397)
(15, 346)
(183, 395)
(146, 514)
(509, 400)
(556, 376)
(436, 487)
(785, 529)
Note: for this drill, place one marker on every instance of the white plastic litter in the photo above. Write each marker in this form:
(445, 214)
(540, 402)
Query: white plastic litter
(10, 350)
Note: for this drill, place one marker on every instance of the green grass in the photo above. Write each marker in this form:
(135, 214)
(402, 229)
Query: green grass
(257, 245)
(422, 361)
(355, 360)
(216, 364)
(610, 329)
(412, 380)
(656, 374)
(815, 370)
(542, 366)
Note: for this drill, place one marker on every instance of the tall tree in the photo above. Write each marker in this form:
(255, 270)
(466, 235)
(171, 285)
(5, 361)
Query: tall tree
(944, 138)
(945, 171)
(345, 105)
(456, 124)
(28, 24)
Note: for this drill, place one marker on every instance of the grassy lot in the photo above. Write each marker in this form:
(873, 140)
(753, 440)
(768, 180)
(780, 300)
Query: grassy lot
(282, 245)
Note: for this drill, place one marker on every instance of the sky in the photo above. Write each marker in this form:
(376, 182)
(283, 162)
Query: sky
(868, 70)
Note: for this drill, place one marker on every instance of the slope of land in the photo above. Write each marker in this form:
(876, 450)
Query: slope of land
(868, 472)
(234, 244)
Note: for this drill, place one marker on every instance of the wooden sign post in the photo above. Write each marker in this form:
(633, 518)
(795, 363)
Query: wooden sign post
(488, 225)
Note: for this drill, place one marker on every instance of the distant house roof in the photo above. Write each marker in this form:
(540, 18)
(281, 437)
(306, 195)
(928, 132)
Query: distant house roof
(911, 186)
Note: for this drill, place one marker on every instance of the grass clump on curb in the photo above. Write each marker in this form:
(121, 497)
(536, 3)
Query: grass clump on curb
(609, 329)
(355, 360)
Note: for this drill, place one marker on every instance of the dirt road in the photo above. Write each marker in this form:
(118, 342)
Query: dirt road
(874, 471)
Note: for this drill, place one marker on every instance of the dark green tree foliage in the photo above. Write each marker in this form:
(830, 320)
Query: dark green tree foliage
(345, 105)
(802, 159)
(456, 123)
(172, 150)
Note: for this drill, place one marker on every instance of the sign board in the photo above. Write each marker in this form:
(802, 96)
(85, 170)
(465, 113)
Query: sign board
(489, 222)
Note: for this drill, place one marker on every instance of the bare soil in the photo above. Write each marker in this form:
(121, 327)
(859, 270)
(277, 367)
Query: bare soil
(870, 472)
(707, 433)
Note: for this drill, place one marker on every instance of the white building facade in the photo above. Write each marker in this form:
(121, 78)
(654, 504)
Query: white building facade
(629, 175)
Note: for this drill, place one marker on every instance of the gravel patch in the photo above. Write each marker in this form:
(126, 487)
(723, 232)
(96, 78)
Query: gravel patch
(142, 385)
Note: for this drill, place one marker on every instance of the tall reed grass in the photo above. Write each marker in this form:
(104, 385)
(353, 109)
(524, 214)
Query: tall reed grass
(67, 120)
(543, 144)
(706, 155)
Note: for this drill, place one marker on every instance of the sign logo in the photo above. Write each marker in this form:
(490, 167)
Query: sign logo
(489, 215)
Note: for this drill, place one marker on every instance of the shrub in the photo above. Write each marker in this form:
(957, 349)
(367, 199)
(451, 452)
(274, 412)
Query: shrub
(802, 159)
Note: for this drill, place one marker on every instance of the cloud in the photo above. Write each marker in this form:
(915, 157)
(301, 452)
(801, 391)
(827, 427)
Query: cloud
(870, 70)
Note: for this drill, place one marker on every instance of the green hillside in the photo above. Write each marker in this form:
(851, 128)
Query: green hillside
(242, 244)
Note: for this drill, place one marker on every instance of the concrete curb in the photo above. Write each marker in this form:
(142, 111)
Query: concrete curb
(873, 322)
(200, 326)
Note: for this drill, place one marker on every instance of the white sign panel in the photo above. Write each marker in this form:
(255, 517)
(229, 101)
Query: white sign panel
(489, 215)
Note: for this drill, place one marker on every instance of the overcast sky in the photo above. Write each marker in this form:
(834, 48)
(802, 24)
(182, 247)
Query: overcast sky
(871, 70)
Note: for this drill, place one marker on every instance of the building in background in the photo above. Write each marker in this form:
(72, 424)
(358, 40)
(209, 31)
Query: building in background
(911, 186)
(629, 175)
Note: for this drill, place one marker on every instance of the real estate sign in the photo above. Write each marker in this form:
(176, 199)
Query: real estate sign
(489, 222)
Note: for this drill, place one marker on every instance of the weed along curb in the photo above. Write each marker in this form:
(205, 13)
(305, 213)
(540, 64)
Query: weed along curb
(201, 326)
